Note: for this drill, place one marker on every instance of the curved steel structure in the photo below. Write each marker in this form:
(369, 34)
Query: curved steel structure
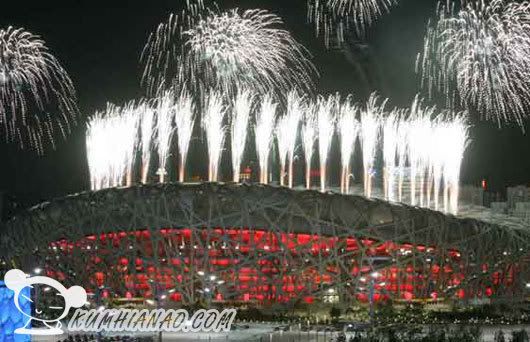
(213, 242)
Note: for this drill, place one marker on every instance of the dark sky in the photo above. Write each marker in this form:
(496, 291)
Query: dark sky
(99, 44)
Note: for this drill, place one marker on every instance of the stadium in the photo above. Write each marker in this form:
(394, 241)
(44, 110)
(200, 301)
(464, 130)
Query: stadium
(262, 245)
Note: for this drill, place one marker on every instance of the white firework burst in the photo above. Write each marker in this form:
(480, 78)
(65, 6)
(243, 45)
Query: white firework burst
(480, 54)
(37, 97)
(225, 50)
(337, 17)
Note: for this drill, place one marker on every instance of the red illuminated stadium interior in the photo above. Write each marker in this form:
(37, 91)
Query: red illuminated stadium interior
(265, 267)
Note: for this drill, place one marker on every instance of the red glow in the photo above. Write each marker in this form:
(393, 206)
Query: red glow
(283, 266)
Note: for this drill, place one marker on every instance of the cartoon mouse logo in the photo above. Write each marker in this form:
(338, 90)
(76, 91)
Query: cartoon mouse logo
(62, 300)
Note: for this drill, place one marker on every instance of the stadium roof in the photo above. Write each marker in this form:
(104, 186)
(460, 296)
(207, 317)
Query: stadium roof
(257, 206)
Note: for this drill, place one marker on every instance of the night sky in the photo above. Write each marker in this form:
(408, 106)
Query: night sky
(99, 44)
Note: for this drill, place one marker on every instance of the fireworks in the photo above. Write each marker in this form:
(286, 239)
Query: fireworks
(419, 147)
(162, 54)
(482, 55)
(129, 128)
(370, 123)
(165, 115)
(348, 127)
(184, 121)
(402, 150)
(240, 119)
(225, 50)
(339, 16)
(390, 152)
(234, 48)
(147, 131)
(287, 133)
(309, 134)
(457, 138)
(212, 123)
(263, 131)
(433, 142)
(111, 138)
(325, 108)
(33, 84)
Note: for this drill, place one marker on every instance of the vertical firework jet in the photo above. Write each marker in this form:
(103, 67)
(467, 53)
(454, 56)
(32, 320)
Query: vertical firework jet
(437, 160)
(287, 133)
(115, 127)
(349, 128)
(239, 128)
(147, 116)
(419, 147)
(370, 120)
(325, 111)
(402, 150)
(129, 125)
(37, 97)
(215, 129)
(264, 131)
(184, 122)
(390, 152)
(165, 115)
(457, 138)
(309, 135)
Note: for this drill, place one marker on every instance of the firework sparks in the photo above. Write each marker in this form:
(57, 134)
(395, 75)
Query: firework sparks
(309, 135)
(287, 133)
(325, 108)
(225, 50)
(482, 55)
(129, 126)
(240, 118)
(337, 17)
(370, 123)
(116, 127)
(349, 130)
(264, 132)
(147, 116)
(184, 122)
(457, 138)
(212, 123)
(165, 115)
(402, 151)
(162, 54)
(439, 135)
(419, 147)
(390, 152)
(33, 84)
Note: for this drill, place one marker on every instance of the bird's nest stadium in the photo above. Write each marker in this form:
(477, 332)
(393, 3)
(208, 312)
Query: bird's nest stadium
(264, 245)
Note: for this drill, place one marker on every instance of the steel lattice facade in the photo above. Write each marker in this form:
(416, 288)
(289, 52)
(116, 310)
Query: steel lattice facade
(266, 245)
